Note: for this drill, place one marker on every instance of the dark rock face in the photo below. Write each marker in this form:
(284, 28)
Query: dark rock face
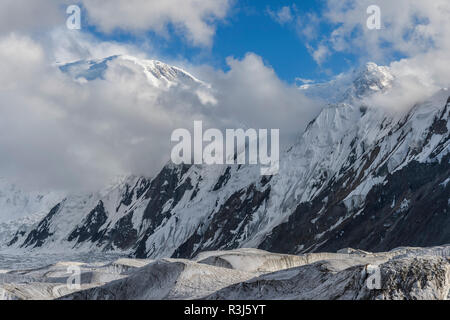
(403, 278)
(225, 227)
(223, 179)
(16, 237)
(411, 209)
(163, 188)
(89, 230)
(122, 235)
(37, 237)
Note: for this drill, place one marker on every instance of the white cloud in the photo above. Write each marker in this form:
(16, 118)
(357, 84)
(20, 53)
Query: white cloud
(320, 53)
(59, 133)
(282, 16)
(65, 45)
(193, 18)
(408, 27)
(21, 57)
(416, 79)
(65, 134)
(304, 81)
(418, 31)
(308, 26)
(251, 95)
(31, 16)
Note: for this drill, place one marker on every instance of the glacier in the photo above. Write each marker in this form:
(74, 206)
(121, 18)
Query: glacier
(243, 274)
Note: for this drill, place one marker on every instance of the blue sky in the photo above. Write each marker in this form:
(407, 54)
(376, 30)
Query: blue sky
(249, 27)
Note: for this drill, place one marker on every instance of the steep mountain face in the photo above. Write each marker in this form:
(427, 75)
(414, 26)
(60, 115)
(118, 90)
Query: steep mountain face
(358, 177)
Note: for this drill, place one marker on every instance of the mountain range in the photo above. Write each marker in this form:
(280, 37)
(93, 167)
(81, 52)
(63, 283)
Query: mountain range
(358, 176)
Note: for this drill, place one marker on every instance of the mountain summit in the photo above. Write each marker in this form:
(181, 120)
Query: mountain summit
(369, 79)
(157, 73)
(362, 82)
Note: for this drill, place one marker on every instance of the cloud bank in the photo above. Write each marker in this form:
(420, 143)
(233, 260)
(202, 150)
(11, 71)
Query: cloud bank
(61, 133)
(193, 20)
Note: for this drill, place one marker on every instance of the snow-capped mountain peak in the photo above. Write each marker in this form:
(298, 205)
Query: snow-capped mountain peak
(360, 83)
(369, 79)
(159, 74)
